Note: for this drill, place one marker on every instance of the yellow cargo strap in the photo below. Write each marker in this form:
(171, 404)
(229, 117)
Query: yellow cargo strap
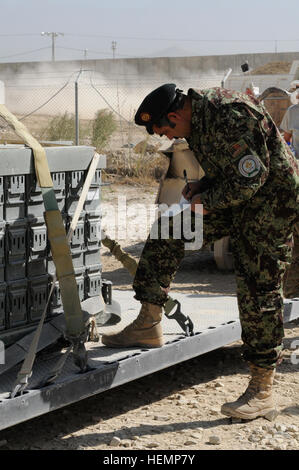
(26, 370)
(172, 307)
(75, 326)
(40, 160)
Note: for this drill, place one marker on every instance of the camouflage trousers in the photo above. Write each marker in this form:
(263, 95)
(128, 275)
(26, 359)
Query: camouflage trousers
(291, 279)
(261, 246)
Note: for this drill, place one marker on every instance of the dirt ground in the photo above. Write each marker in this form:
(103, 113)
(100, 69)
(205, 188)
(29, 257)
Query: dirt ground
(272, 68)
(177, 408)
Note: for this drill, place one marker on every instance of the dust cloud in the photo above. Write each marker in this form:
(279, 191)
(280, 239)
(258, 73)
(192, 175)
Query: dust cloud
(50, 89)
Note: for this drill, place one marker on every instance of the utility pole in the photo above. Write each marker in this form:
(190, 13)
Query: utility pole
(85, 54)
(77, 136)
(113, 46)
(53, 36)
(77, 110)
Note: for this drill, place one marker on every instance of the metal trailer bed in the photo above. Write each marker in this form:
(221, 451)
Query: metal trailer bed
(216, 325)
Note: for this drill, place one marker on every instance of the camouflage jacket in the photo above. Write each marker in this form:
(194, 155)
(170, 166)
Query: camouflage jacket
(240, 149)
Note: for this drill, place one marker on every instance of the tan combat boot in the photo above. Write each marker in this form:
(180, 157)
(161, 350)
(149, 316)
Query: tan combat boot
(146, 330)
(257, 399)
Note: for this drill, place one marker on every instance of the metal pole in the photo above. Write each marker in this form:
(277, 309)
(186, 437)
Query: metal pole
(225, 77)
(113, 48)
(77, 110)
(76, 113)
(53, 36)
(53, 46)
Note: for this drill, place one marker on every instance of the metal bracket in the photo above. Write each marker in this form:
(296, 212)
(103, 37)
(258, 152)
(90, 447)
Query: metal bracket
(77, 178)
(16, 240)
(107, 291)
(80, 358)
(55, 372)
(94, 230)
(78, 343)
(17, 184)
(78, 236)
(20, 385)
(38, 239)
(59, 182)
(94, 284)
(183, 320)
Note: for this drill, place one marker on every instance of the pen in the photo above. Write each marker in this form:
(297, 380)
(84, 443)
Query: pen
(187, 182)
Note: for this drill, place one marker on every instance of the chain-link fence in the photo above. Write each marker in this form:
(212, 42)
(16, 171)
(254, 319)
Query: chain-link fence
(37, 100)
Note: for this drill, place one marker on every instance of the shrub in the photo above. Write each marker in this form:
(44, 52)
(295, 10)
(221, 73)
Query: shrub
(63, 127)
(103, 127)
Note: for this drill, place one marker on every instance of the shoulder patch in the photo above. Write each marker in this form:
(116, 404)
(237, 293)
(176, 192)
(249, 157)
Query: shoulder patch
(249, 166)
(238, 147)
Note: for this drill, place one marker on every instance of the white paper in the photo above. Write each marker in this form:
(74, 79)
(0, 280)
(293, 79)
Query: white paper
(175, 209)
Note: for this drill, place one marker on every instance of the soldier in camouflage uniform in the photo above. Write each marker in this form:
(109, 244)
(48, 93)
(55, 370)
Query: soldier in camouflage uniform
(249, 192)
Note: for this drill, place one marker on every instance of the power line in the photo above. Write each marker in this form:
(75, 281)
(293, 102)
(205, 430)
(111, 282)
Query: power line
(83, 50)
(177, 39)
(107, 102)
(24, 53)
(19, 34)
(46, 102)
(117, 55)
(153, 38)
(61, 47)
(97, 52)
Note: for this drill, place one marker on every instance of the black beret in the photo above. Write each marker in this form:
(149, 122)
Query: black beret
(155, 105)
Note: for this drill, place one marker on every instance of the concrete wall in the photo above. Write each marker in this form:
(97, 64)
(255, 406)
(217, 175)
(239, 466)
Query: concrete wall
(153, 67)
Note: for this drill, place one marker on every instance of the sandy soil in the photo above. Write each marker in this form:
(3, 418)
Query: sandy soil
(272, 68)
(179, 407)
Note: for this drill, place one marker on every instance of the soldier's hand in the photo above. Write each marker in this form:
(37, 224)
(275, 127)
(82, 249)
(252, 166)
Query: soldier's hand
(195, 201)
(190, 190)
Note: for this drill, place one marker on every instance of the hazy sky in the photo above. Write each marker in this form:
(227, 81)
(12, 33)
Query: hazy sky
(143, 28)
